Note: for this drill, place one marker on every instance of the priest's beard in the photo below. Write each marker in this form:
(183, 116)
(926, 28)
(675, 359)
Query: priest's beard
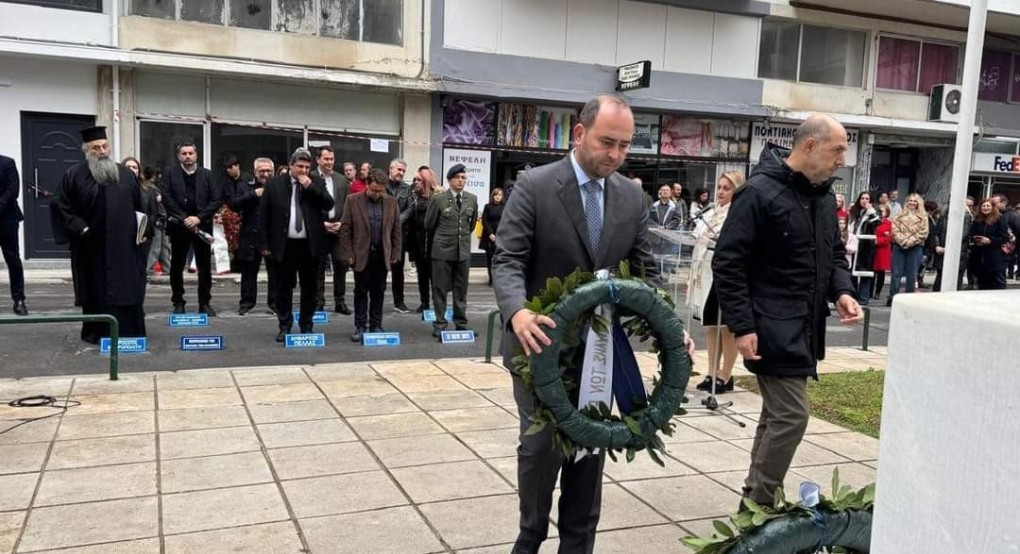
(104, 170)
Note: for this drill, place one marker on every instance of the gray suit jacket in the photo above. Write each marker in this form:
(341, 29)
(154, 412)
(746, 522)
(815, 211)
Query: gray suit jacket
(544, 233)
(339, 193)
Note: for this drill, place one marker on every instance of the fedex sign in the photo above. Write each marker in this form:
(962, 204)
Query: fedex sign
(996, 163)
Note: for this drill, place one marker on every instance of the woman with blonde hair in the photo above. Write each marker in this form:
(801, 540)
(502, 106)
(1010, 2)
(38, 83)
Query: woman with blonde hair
(909, 231)
(701, 295)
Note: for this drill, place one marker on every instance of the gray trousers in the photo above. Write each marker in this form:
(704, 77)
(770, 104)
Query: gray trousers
(539, 463)
(450, 277)
(781, 426)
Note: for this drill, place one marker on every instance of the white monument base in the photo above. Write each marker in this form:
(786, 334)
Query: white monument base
(949, 460)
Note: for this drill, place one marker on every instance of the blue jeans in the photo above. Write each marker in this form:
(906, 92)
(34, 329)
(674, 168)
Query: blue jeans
(905, 263)
(864, 290)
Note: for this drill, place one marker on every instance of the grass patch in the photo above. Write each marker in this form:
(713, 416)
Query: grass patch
(852, 400)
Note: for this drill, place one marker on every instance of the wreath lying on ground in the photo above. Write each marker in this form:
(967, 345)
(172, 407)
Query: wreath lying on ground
(644, 312)
(839, 524)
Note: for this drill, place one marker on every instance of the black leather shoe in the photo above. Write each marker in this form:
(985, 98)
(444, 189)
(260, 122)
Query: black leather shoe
(282, 335)
(343, 309)
(179, 309)
(705, 385)
(463, 328)
(376, 330)
(401, 308)
(437, 331)
(307, 330)
(244, 310)
(320, 307)
(358, 334)
(207, 310)
(421, 308)
(20, 308)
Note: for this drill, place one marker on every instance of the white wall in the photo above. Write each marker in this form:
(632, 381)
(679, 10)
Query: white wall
(36, 23)
(607, 32)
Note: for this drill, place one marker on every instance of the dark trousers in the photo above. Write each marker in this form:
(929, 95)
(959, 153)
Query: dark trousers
(12, 257)
(298, 265)
(450, 277)
(879, 283)
(489, 252)
(539, 462)
(181, 240)
(250, 284)
(781, 426)
(990, 280)
(339, 274)
(398, 281)
(423, 268)
(369, 289)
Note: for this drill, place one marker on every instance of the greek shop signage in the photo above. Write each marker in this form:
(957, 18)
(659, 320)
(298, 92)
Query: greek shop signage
(781, 134)
(634, 76)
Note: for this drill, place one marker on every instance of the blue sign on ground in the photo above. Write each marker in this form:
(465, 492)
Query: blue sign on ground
(454, 337)
(194, 344)
(305, 340)
(126, 345)
(430, 315)
(381, 339)
(188, 320)
(318, 317)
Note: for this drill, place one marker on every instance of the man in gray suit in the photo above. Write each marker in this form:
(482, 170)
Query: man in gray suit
(606, 222)
(337, 186)
(450, 221)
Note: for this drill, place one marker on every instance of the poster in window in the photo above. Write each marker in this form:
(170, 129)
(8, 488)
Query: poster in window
(1015, 96)
(704, 138)
(529, 126)
(646, 134)
(468, 122)
(994, 82)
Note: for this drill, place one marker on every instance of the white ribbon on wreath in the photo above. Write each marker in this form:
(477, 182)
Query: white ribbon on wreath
(597, 372)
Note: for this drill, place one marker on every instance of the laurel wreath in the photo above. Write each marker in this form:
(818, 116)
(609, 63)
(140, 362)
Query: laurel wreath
(645, 313)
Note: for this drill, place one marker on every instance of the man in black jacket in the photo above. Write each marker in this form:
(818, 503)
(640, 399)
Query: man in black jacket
(337, 186)
(778, 262)
(10, 219)
(245, 202)
(293, 235)
(397, 188)
(191, 198)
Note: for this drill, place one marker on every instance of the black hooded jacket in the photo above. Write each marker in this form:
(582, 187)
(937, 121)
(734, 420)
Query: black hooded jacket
(778, 262)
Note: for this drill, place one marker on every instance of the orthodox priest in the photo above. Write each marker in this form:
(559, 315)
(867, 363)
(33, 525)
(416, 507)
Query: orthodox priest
(96, 211)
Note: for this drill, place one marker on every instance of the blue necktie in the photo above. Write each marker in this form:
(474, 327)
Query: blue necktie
(593, 213)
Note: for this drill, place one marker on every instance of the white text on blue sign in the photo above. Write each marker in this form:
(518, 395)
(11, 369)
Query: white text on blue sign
(126, 345)
(214, 342)
(305, 340)
(189, 320)
(381, 339)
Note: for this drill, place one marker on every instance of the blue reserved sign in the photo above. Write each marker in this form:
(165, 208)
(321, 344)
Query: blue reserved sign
(318, 317)
(126, 345)
(189, 320)
(305, 340)
(381, 339)
(454, 337)
(194, 344)
(430, 315)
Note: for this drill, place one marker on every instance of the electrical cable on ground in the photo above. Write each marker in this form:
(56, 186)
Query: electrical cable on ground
(41, 401)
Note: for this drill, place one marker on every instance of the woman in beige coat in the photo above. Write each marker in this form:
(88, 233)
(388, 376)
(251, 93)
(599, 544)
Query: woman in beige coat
(909, 231)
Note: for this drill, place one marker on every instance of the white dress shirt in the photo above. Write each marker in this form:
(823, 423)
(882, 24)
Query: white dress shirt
(292, 232)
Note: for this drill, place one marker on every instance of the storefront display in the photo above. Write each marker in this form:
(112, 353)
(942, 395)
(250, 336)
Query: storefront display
(704, 138)
(469, 122)
(530, 126)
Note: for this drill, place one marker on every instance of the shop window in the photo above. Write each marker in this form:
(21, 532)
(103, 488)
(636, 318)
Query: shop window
(694, 137)
(379, 151)
(158, 142)
(248, 143)
(810, 54)
(81, 5)
(916, 66)
(469, 122)
(540, 127)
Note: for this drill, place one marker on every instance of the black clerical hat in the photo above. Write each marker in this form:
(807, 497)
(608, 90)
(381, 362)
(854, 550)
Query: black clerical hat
(90, 134)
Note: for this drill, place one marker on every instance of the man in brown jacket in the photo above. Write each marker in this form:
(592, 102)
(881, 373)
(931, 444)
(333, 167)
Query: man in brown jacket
(370, 235)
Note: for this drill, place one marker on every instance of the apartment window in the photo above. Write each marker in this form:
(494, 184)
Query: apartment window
(158, 140)
(915, 65)
(811, 54)
(81, 5)
(1015, 95)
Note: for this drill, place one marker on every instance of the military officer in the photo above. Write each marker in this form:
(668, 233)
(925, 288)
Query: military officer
(450, 220)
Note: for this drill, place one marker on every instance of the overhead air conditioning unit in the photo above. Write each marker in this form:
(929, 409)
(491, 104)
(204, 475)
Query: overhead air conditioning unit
(944, 103)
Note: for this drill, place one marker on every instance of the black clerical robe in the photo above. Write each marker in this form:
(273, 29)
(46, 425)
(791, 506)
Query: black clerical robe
(107, 265)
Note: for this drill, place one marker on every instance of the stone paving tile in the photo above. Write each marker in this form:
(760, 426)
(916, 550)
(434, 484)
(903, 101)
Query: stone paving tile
(502, 396)
(355, 406)
(106, 425)
(657, 538)
(415, 383)
(851, 445)
(23, 458)
(321, 460)
(390, 530)
(207, 442)
(213, 472)
(643, 467)
(143, 546)
(712, 456)
(413, 368)
(489, 517)
(683, 433)
(723, 427)
(193, 419)
(340, 494)
(105, 451)
(126, 382)
(620, 509)
(494, 443)
(16, 491)
(332, 372)
(475, 419)
(102, 403)
(92, 484)
(460, 366)
(285, 375)
(292, 411)
(271, 394)
(95, 522)
(733, 480)
(194, 379)
(394, 426)
(13, 389)
(201, 511)
(448, 399)
(807, 454)
(507, 467)
(10, 527)
(198, 398)
(305, 433)
(20, 432)
(855, 475)
(416, 451)
(358, 386)
(485, 380)
(688, 497)
(433, 482)
(818, 426)
(275, 538)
